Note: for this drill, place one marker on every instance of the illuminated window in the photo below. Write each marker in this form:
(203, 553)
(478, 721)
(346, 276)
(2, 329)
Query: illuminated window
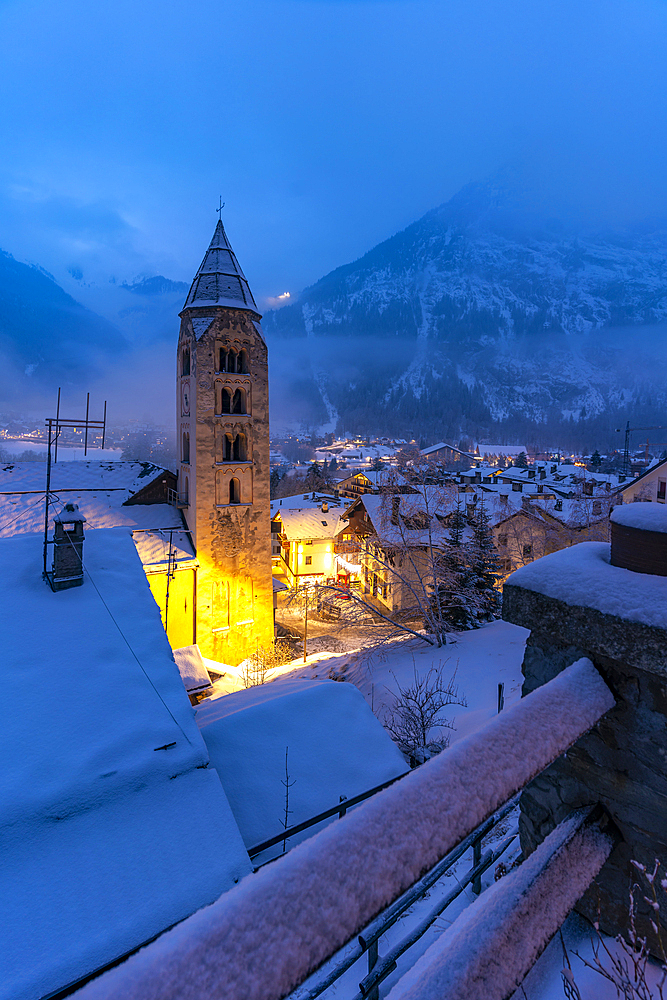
(309, 560)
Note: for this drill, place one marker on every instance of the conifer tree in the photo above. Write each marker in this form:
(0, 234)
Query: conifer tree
(484, 567)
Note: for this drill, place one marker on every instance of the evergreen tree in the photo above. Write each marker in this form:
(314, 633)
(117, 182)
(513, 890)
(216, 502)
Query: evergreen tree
(456, 525)
(521, 461)
(275, 483)
(596, 461)
(484, 568)
(315, 478)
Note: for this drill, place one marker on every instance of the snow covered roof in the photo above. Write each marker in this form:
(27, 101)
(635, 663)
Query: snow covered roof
(647, 516)
(383, 509)
(310, 523)
(582, 575)
(158, 547)
(153, 525)
(303, 501)
(441, 445)
(219, 280)
(98, 488)
(192, 669)
(336, 747)
(103, 773)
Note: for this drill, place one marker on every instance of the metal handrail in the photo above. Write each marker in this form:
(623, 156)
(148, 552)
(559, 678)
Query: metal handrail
(340, 809)
(367, 941)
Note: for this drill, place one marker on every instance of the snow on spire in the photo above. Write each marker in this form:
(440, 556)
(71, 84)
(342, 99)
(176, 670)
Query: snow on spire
(219, 280)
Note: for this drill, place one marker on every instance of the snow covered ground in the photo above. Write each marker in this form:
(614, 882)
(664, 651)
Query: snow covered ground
(481, 659)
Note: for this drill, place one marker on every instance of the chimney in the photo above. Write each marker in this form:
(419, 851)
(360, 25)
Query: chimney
(395, 505)
(325, 507)
(68, 548)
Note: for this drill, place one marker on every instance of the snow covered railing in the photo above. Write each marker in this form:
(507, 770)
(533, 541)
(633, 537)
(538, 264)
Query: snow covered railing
(266, 935)
(367, 941)
(494, 943)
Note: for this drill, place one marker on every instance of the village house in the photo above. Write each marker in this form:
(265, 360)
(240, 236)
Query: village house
(447, 455)
(650, 485)
(307, 540)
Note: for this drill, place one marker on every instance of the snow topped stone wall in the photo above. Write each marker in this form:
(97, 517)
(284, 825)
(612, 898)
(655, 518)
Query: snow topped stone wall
(576, 604)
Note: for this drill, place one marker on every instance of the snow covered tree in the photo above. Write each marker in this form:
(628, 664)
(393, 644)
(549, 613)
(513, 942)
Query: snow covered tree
(484, 567)
(596, 461)
(521, 460)
(416, 715)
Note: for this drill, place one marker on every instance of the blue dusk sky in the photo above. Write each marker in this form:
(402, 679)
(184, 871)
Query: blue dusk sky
(325, 126)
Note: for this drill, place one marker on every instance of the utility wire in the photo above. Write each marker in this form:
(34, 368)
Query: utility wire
(124, 637)
(21, 513)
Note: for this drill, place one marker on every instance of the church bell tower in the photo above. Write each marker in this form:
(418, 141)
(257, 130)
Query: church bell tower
(223, 436)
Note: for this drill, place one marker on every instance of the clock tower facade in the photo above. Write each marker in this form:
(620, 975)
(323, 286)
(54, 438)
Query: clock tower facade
(224, 473)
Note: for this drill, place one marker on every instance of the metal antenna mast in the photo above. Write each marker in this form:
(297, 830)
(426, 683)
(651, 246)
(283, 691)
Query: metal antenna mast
(626, 450)
(55, 425)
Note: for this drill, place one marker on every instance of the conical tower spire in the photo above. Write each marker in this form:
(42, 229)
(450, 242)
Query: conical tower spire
(219, 280)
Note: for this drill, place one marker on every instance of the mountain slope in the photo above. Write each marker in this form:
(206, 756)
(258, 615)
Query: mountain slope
(491, 314)
(46, 336)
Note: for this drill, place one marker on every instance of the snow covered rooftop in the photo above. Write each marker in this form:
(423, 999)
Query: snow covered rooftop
(310, 523)
(98, 488)
(103, 773)
(582, 575)
(219, 280)
(336, 747)
(305, 501)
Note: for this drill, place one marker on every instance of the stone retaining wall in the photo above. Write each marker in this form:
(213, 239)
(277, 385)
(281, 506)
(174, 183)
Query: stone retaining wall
(622, 763)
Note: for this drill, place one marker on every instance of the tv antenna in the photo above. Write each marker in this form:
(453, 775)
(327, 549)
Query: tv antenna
(56, 425)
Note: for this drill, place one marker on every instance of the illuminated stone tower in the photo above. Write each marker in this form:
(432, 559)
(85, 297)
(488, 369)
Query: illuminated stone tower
(223, 435)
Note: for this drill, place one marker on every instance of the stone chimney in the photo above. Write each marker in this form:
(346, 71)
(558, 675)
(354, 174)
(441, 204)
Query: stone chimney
(68, 548)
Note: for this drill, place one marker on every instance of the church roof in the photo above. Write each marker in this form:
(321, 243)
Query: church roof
(219, 280)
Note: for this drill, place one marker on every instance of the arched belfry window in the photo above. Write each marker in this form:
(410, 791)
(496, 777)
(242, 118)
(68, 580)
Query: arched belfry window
(224, 399)
(239, 404)
(227, 448)
(234, 491)
(185, 361)
(227, 361)
(242, 362)
(240, 449)
(186, 448)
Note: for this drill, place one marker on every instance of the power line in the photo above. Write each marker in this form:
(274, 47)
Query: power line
(24, 511)
(124, 637)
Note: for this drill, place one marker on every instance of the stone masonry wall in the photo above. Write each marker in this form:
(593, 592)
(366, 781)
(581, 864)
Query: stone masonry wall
(234, 580)
(621, 763)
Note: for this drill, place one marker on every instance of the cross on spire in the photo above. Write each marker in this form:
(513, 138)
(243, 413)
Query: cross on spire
(219, 210)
